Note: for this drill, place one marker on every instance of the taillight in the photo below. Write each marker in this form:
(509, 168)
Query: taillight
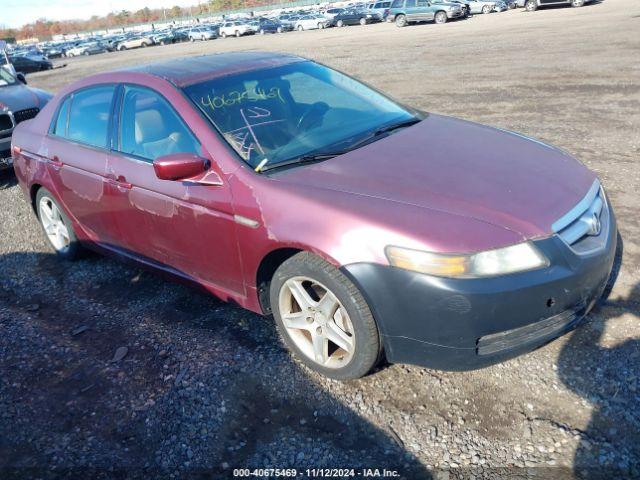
(15, 150)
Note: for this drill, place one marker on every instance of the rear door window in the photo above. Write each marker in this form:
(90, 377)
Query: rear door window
(89, 116)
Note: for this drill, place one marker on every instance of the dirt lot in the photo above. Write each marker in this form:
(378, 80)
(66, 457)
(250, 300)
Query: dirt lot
(205, 385)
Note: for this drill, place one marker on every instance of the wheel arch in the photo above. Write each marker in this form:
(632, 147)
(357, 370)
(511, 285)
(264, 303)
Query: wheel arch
(33, 193)
(272, 260)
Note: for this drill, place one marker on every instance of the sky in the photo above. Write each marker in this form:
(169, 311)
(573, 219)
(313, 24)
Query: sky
(15, 13)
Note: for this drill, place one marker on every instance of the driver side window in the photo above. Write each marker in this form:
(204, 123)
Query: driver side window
(150, 127)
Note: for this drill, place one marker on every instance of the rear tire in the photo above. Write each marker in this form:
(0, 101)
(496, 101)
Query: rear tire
(363, 21)
(340, 23)
(531, 5)
(440, 17)
(47, 208)
(223, 35)
(300, 28)
(144, 45)
(486, 9)
(577, 3)
(237, 33)
(348, 318)
(401, 21)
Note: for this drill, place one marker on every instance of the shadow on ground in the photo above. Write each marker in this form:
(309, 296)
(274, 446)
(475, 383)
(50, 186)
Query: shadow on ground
(204, 387)
(607, 378)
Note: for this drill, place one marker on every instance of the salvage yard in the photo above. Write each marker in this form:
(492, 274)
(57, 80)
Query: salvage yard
(197, 383)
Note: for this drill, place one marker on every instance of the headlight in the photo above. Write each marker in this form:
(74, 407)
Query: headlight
(516, 258)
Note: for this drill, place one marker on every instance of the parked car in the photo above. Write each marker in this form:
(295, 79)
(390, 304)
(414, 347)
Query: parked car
(466, 9)
(354, 17)
(54, 52)
(236, 29)
(380, 8)
(18, 103)
(164, 37)
(203, 33)
(332, 12)
(92, 48)
(501, 6)
(296, 211)
(311, 22)
(533, 5)
(480, 6)
(136, 41)
(30, 64)
(404, 12)
(267, 25)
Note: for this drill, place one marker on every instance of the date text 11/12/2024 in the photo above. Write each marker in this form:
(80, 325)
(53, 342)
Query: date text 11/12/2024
(316, 472)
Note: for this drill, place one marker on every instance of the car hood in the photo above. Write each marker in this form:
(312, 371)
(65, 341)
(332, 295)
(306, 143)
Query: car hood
(461, 168)
(19, 97)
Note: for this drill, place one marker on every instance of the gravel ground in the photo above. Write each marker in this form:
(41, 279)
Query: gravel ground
(107, 370)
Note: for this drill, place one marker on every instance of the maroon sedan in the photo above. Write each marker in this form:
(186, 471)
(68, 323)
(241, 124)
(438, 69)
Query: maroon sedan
(366, 228)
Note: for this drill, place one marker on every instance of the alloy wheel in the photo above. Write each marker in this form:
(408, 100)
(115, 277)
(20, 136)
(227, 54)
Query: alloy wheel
(53, 224)
(317, 322)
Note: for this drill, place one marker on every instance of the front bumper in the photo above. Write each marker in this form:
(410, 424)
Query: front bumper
(455, 14)
(464, 324)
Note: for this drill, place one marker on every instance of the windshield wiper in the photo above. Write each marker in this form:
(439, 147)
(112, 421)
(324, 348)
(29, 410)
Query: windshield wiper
(311, 158)
(318, 157)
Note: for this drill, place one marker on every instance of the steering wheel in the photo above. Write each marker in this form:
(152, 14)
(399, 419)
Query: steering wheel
(312, 116)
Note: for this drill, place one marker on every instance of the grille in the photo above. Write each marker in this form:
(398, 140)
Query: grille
(22, 115)
(5, 122)
(586, 226)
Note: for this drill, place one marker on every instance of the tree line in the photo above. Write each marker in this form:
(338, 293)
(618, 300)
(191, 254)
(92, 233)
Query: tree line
(44, 29)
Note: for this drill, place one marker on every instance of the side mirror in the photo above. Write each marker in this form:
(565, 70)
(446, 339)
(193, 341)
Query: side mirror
(179, 166)
(21, 78)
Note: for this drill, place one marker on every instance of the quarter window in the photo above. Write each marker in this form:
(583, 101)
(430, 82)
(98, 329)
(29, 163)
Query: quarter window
(60, 127)
(410, 4)
(150, 128)
(89, 116)
(397, 4)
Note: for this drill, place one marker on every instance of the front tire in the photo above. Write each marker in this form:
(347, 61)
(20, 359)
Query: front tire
(300, 28)
(237, 33)
(56, 226)
(323, 318)
(577, 3)
(486, 9)
(401, 21)
(440, 17)
(340, 23)
(363, 21)
(531, 5)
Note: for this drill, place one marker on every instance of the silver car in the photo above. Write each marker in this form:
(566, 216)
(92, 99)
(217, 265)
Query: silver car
(17, 104)
(480, 6)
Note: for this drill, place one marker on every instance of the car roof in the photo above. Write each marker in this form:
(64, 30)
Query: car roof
(189, 70)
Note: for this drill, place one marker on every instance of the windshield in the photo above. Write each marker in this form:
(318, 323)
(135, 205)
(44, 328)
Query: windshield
(278, 114)
(6, 78)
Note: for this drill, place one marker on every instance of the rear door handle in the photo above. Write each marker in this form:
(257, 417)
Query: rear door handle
(121, 183)
(55, 162)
